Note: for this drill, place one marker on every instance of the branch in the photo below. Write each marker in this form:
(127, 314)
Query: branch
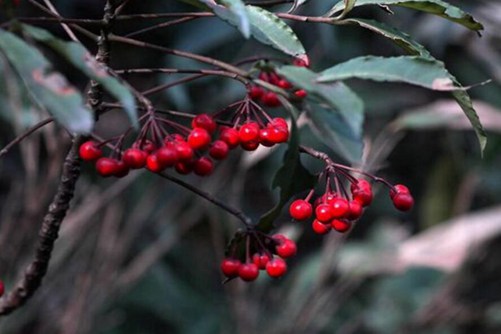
(25, 134)
(48, 234)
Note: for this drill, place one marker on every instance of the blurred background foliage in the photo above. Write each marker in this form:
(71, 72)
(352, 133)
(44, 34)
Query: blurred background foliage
(141, 255)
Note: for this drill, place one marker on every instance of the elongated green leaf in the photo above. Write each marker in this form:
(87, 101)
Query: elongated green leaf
(291, 178)
(337, 113)
(265, 26)
(233, 12)
(79, 57)
(398, 37)
(270, 29)
(436, 7)
(419, 71)
(424, 72)
(49, 88)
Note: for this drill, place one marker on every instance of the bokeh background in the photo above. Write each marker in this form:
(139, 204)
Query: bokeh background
(141, 255)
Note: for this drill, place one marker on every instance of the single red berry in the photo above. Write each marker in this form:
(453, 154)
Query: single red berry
(264, 76)
(300, 209)
(276, 267)
(399, 188)
(90, 151)
(255, 92)
(340, 225)
(219, 150)
(230, 136)
(167, 155)
(356, 210)
(184, 167)
(2, 288)
(340, 207)
(106, 166)
(204, 121)
(270, 99)
(362, 192)
(248, 272)
(230, 267)
(121, 169)
(403, 201)
(361, 184)
(250, 145)
(134, 158)
(249, 132)
(323, 212)
(320, 228)
(265, 137)
(300, 93)
(260, 260)
(148, 146)
(279, 134)
(284, 84)
(301, 61)
(279, 121)
(286, 249)
(279, 238)
(184, 150)
(199, 138)
(203, 166)
(153, 164)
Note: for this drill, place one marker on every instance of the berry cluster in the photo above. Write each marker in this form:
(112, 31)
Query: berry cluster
(337, 209)
(163, 143)
(259, 255)
(269, 98)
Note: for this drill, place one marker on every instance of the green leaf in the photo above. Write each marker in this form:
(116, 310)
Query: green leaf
(79, 57)
(233, 12)
(398, 37)
(436, 7)
(48, 88)
(265, 26)
(424, 72)
(291, 178)
(464, 101)
(337, 115)
(271, 30)
(348, 6)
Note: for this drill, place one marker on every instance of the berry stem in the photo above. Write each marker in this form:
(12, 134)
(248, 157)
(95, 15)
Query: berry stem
(25, 134)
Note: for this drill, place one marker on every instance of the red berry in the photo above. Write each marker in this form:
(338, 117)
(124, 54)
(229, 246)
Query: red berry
(323, 212)
(184, 150)
(255, 92)
(279, 134)
(203, 166)
(279, 121)
(320, 228)
(90, 151)
(284, 84)
(121, 169)
(219, 150)
(286, 249)
(167, 155)
(199, 138)
(399, 188)
(248, 272)
(2, 288)
(153, 164)
(184, 167)
(276, 267)
(134, 158)
(270, 99)
(279, 238)
(250, 146)
(260, 260)
(300, 93)
(230, 267)
(356, 210)
(362, 192)
(147, 146)
(204, 121)
(249, 132)
(403, 201)
(106, 166)
(340, 207)
(300, 210)
(340, 225)
(230, 136)
(265, 137)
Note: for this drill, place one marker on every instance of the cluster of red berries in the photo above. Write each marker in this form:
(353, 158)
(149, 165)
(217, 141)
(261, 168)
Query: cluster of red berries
(336, 210)
(259, 255)
(195, 151)
(269, 98)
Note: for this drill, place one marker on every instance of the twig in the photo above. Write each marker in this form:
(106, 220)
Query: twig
(25, 134)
